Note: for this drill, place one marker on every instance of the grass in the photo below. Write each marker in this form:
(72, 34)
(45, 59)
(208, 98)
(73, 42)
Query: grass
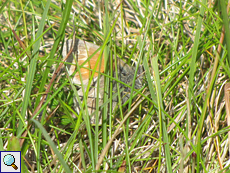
(178, 122)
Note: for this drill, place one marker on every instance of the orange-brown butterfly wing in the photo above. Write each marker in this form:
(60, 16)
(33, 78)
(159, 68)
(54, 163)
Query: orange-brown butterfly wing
(82, 51)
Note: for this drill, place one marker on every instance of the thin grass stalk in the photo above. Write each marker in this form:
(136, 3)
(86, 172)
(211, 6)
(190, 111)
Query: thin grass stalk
(162, 120)
(106, 29)
(224, 12)
(191, 80)
(24, 21)
(53, 146)
(126, 129)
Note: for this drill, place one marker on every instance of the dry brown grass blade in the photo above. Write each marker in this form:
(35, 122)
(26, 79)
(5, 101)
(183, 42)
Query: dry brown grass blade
(219, 49)
(227, 106)
(18, 39)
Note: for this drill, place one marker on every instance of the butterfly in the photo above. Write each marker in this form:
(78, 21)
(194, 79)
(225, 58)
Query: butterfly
(87, 56)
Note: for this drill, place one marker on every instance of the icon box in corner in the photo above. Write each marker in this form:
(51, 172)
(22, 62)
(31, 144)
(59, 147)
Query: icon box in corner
(10, 161)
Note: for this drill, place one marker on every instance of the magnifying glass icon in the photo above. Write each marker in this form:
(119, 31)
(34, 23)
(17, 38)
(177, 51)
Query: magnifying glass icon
(9, 160)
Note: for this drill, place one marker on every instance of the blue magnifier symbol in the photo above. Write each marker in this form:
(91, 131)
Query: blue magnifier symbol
(9, 161)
